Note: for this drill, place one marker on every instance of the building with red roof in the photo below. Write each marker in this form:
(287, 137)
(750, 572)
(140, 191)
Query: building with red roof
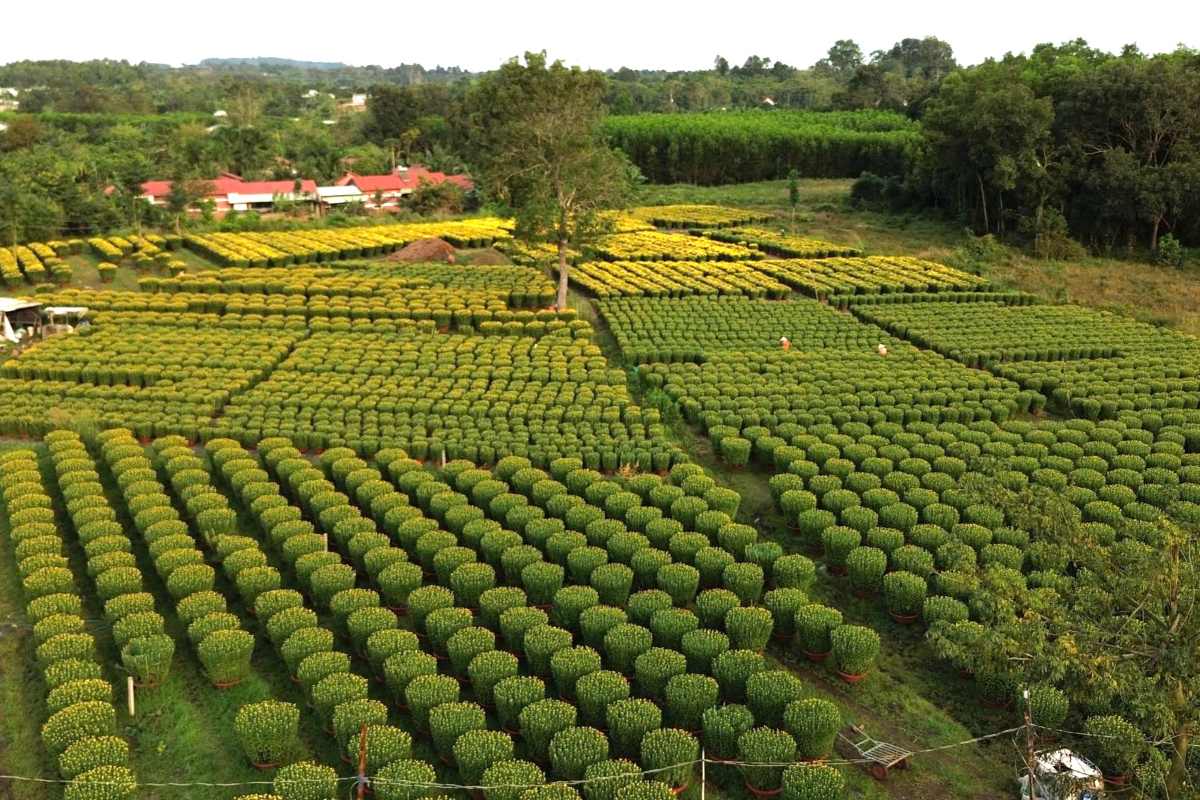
(386, 191)
(231, 192)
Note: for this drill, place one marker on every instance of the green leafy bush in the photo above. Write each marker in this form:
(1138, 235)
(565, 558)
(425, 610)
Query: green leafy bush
(723, 726)
(573, 750)
(814, 623)
(813, 782)
(406, 779)
(749, 628)
(604, 779)
(570, 664)
(500, 779)
(512, 695)
(108, 782)
(687, 697)
(267, 730)
(1116, 745)
(425, 693)
(654, 668)
(854, 648)
(92, 752)
(624, 643)
(449, 721)
(596, 691)
(629, 721)
(478, 750)
(904, 593)
(733, 668)
(814, 724)
(673, 748)
(226, 655)
(540, 721)
(384, 744)
(79, 721)
(764, 745)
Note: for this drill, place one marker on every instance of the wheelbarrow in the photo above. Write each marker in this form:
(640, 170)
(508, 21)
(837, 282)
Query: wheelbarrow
(878, 757)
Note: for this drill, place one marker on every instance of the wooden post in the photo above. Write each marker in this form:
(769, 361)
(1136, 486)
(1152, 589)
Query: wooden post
(703, 772)
(362, 762)
(129, 695)
(325, 542)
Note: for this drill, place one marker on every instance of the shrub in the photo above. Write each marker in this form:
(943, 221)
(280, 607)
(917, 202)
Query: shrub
(540, 721)
(385, 744)
(701, 646)
(570, 664)
(713, 604)
(655, 667)
(745, 580)
(624, 643)
(733, 668)
(467, 643)
(813, 782)
(448, 721)
(93, 752)
(866, 566)
(711, 562)
(814, 622)
(406, 779)
(267, 730)
(424, 601)
(735, 451)
(513, 695)
(765, 746)
(642, 605)
(768, 693)
(670, 747)
(469, 581)
(854, 648)
(940, 608)
(783, 605)
(629, 721)
(516, 621)
(596, 691)
(687, 697)
(904, 593)
(78, 691)
(604, 779)
(749, 628)
(366, 622)
(542, 580)
(1116, 744)
(81, 720)
(1048, 705)
(670, 624)
(596, 621)
(570, 602)
(478, 750)
(226, 655)
(108, 782)
(148, 658)
(444, 623)
(487, 669)
(814, 724)
(723, 726)
(680, 582)
(425, 693)
(500, 779)
(613, 583)
(541, 643)
(573, 750)
(495, 602)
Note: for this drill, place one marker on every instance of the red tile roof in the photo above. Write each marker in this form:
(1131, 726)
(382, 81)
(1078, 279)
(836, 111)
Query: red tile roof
(398, 182)
(228, 183)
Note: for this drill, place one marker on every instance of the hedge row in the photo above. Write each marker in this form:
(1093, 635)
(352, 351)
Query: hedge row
(80, 732)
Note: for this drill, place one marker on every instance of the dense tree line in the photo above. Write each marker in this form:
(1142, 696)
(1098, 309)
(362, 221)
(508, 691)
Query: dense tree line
(1067, 140)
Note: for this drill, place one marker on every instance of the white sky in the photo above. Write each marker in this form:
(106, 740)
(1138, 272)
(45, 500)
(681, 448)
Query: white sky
(479, 34)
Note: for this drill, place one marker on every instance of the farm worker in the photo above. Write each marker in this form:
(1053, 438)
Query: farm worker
(882, 349)
(784, 343)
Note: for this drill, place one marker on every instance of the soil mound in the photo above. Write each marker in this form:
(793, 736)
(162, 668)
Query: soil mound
(424, 251)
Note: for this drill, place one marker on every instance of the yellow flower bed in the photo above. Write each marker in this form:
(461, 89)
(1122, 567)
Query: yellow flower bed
(782, 244)
(282, 248)
(660, 246)
(674, 279)
(697, 216)
(823, 277)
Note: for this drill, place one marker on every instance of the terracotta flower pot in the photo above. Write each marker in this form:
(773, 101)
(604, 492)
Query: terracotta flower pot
(848, 678)
(904, 619)
(264, 766)
(228, 684)
(816, 658)
(754, 790)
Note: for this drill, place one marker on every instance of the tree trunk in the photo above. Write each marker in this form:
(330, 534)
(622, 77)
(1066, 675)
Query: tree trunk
(563, 274)
(1181, 741)
(1154, 233)
(987, 227)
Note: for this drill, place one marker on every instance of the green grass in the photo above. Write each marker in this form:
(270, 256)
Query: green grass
(772, 195)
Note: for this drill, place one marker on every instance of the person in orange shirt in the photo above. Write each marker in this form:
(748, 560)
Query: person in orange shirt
(785, 343)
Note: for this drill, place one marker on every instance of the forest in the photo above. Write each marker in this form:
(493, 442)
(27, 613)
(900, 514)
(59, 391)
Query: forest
(1062, 148)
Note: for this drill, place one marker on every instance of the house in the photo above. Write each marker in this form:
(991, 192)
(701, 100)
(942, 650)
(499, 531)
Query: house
(386, 191)
(8, 98)
(340, 195)
(231, 193)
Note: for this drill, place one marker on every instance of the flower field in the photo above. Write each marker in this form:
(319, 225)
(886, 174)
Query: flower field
(696, 216)
(283, 248)
(781, 244)
(413, 502)
(666, 246)
(674, 279)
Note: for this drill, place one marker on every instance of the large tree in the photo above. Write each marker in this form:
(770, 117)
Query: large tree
(537, 138)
